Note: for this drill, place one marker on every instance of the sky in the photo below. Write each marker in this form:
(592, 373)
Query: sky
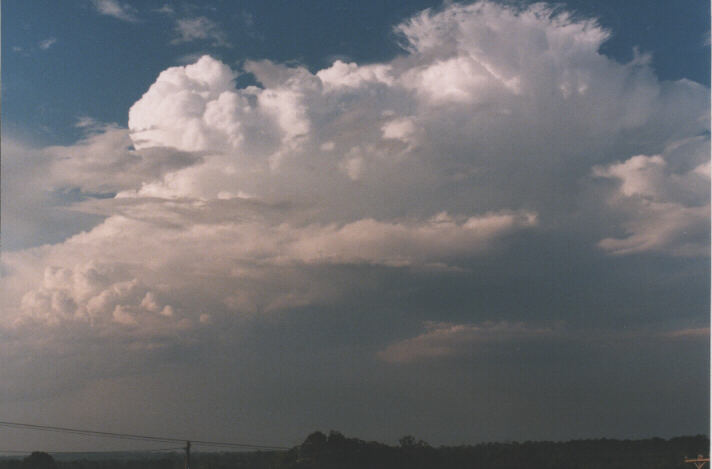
(247, 221)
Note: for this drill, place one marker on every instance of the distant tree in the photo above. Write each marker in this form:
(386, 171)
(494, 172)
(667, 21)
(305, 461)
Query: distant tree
(335, 451)
(314, 443)
(39, 460)
(336, 438)
(407, 441)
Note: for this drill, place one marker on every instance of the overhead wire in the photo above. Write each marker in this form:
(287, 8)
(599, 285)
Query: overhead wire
(137, 437)
(155, 450)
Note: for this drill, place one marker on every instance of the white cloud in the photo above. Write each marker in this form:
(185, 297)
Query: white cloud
(32, 212)
(502, 96)
(172, 112)
(666, 204)
(116, 9)
(249, 200)
(470, 58)
(349, 75)
(107, 276)
(438, 239)
(434, 180)
(47, 43)
(199, 28)
(90, 293)
(665, 227)
(104, 161)
(399, 129)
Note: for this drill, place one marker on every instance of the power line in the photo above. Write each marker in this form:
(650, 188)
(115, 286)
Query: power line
(135, 437)
(157, 450)
(180, 448)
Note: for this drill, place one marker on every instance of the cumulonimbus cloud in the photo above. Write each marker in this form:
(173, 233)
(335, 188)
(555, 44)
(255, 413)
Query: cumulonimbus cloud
(482, 129)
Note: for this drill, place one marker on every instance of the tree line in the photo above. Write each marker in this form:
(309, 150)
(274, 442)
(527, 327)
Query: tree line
(335, 451)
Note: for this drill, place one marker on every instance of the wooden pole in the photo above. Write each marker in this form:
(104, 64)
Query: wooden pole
(187, 455)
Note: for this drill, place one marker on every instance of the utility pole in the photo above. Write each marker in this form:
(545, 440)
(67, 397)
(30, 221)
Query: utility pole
(699, 461)
(187, 455)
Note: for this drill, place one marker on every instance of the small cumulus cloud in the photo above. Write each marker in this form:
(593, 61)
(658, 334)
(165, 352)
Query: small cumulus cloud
(47, 43)
(116, 9)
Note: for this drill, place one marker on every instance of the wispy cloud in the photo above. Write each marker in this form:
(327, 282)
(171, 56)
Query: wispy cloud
(91, 126)
(450, 340)
(165, 10)
(444, 340)
(199, 28)
(47, 43)
(690, 333)
(121, 11)
(86, 122)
